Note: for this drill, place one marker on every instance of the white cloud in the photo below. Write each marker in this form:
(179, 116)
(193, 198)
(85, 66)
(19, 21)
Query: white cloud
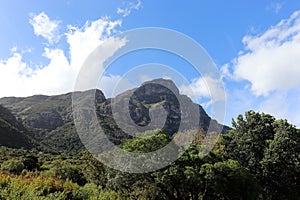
(270, 64)
(93, 67)
(20, 78)
(43, 26)
(84, 40)
(12, 73)
(204, 87)
(271, 61)
(226, 73)
(129, 7)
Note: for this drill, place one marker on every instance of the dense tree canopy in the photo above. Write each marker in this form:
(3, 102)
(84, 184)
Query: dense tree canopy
(270, 148)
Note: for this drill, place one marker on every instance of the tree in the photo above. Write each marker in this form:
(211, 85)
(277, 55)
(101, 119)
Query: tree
(182, 179)
(67, 171)
(247, 142)
(138, 185)
(155, 141)
(94, 170)
(31, 162)
(228, 180)
(281, 163)
(270, 149)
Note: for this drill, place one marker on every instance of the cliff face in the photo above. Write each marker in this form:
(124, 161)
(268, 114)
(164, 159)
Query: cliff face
(155, 104)
(162, 97)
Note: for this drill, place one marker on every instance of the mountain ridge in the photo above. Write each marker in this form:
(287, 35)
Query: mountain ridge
(50, 118)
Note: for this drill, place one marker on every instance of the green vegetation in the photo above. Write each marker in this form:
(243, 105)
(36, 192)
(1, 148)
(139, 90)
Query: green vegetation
(258, 159)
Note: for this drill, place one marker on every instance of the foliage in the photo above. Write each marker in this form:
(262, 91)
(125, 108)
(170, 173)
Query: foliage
(148, 143)
(270, 149)
(13, 166)
(228, 180)
(248, 140)
(258, 159)
(281, 162)
(66, 171)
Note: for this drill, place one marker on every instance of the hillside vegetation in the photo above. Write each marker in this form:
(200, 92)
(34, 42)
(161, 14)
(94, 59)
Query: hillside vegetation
(258, 159)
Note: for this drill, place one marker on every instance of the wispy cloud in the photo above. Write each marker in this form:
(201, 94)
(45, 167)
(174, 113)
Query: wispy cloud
(43, 26)
(275, 7)
(129, 7)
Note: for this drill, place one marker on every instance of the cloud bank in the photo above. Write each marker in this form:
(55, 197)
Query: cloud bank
(21, 78)
(271, 61)
(265, 75)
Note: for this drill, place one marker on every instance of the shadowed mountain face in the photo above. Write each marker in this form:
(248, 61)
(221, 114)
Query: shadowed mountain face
(155, 104)
(12, 133)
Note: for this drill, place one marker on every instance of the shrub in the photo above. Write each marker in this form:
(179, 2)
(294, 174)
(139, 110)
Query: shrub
(13, 166)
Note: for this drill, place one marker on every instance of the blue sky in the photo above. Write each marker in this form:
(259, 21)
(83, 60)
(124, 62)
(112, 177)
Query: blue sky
(255, 46)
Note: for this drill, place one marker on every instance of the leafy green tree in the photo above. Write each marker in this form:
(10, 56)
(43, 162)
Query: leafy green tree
(281, 163)
(228, 180)
(182, 180)
(67, 171)
(270, 149)
(93, 170)
(138, 186)
(248, 140)
(148, 143)
(133, 186)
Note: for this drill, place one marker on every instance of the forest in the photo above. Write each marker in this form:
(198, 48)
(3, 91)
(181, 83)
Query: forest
(259, 158)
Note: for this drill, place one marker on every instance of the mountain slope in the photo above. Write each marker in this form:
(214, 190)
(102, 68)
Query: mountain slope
(50, 118)
(12, 132)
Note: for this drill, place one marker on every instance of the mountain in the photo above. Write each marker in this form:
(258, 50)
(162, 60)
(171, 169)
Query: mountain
(50, 119)
(154, 104)
(12, 133)
(160, 98)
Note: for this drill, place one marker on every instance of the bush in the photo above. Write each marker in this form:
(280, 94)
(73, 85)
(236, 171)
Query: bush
(31, 162)
(67, 171)
(13, 166)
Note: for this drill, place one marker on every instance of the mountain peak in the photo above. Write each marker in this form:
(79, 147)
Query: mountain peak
(163, 82)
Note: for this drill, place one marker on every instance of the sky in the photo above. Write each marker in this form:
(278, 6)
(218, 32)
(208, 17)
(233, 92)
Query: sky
(255, 46)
